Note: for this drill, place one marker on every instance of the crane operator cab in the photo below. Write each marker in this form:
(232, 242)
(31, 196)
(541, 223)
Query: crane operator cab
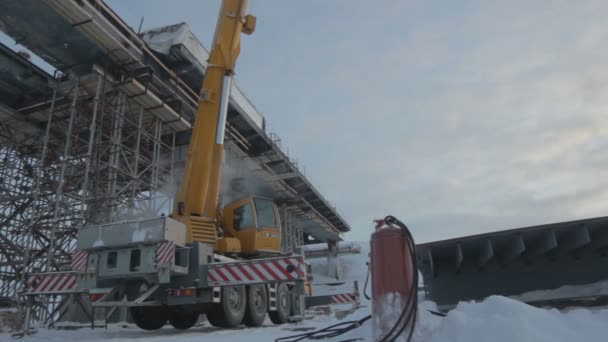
(252, 227)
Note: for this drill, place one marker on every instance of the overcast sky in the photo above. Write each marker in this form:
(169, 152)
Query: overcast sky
(458, 117)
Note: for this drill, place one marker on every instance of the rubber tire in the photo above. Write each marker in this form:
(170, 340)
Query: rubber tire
(281, 315)
(145, 317)
(214, 316)
(183, 320)
(257, 305)
(149, 318)
(294, 303)
(231, 311)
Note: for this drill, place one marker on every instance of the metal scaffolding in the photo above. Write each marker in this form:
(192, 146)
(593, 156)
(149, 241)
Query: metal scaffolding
(89, 154)
(292, 235)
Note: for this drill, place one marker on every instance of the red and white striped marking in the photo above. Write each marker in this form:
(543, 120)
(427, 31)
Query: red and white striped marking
(345, 298)
(52, 283)
(79, 260)
(165, 252)
(262, 271)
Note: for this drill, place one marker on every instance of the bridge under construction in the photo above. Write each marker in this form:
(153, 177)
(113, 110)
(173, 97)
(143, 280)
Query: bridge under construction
(95, 123)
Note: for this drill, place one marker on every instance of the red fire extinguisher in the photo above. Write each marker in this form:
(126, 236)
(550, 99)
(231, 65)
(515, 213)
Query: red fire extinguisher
(394, 281)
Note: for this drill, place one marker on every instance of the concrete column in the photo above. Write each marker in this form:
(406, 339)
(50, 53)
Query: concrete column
(334, 269)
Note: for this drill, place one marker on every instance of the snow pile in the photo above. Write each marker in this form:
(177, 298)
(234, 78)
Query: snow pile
(501, 319)
(568, 291)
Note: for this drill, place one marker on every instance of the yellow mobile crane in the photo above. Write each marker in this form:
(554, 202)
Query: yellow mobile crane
(172, 269)
(224, 263)
(251, 226)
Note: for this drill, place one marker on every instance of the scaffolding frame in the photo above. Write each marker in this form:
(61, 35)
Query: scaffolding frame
(292, 235)
(89, 154)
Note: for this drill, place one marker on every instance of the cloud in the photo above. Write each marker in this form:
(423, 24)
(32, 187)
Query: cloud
(496, 123)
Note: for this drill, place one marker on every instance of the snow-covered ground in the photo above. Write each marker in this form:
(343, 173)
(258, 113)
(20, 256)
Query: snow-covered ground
(497, 319)
(568, 291)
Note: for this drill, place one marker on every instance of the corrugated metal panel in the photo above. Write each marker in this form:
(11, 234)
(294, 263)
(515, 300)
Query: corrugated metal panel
(515, 261)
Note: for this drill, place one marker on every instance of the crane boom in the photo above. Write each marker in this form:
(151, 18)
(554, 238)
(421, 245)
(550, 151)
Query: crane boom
(197, 201)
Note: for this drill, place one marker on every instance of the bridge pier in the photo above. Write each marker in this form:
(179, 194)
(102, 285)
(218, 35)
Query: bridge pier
(333, 262)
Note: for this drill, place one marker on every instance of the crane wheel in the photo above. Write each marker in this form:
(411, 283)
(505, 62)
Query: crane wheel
(295, 304)
(183, 320)
(213, 316)
(231, 311)
(281, 315)
(145, 317)
(149, 317)
(257, 305)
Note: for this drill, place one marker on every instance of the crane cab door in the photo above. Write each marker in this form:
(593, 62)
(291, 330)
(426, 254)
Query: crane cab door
(255, 222)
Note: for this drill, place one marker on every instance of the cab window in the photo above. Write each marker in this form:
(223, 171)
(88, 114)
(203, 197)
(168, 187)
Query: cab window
(264, 210)
(111, 260)
(243, 217)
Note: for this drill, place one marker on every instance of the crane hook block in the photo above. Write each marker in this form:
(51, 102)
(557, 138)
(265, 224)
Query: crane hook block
(249, 24)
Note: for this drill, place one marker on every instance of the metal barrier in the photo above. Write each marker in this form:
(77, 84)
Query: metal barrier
(334, 293)
(53, 284)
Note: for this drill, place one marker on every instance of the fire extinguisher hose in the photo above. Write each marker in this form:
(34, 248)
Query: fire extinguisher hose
(327, 332)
